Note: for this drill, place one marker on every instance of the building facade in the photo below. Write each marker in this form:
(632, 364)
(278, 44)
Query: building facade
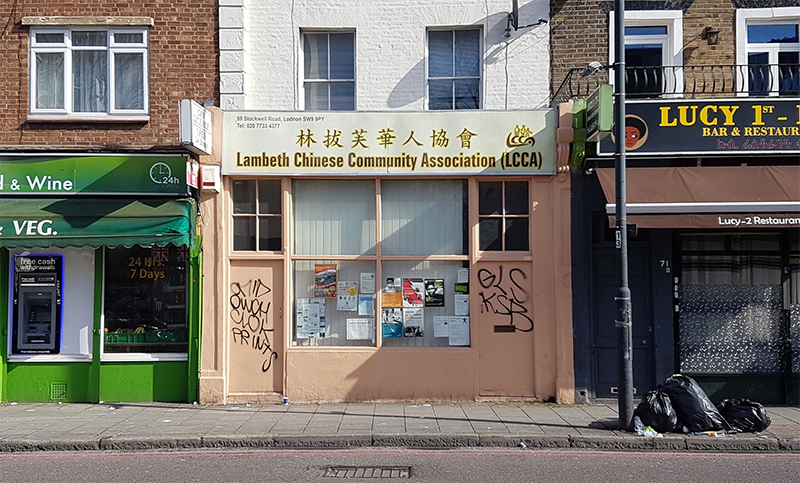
(713, 189)
(392, 221)
(100, 273)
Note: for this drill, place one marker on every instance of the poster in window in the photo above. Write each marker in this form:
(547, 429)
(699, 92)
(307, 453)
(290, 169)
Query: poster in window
(458, 329)
(392, 323)
(310, 317)
(366, 305)
(360, 329)
(325, 280)
(368, 282)
(347, 296)
(440, 326)
(434, 292)
(413, 292)
(461, 304)
(392, 295)
(413, 322)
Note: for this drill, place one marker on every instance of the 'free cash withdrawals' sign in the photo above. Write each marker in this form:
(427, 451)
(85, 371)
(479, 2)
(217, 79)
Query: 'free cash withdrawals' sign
(381, 143)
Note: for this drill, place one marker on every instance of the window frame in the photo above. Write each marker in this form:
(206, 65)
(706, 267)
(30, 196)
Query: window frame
(672, 44)
(479, 77)
(762, 16)
(503, 217)
(328, 81)
(112, 48)
(257, 216)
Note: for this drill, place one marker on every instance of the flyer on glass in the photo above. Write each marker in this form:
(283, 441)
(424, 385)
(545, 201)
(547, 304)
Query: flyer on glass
(461, 304)
(413, 322)
(458, 328)
(360, 329)
(392, 322)
(325, 280)
(367, 283)
(434, 292)
(413, 292)
(366, 305)
(347, 298)
(310, 320)
(440, 326)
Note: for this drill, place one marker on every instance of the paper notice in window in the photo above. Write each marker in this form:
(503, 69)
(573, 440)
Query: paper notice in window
(458, 328)
(440, 326)
(367, 283)
(462, 304)
(360, 329)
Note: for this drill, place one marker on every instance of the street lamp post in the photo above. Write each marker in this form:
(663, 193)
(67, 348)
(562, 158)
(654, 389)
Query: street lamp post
(622, 297)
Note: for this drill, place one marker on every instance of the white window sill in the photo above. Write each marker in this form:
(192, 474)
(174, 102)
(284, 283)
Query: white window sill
(104, 119)
(144, 357)
(50, 358)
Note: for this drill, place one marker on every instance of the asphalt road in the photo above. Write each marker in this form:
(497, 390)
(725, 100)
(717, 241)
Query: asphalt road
(440, 466)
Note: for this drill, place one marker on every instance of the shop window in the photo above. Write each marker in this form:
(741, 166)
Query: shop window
(334, 304)
(145, 300)
(503, 216)
(454, 69)
(348, 294)
(334, 217)
(329, 71)
(424, 217)
(257, 215)
(87, 73)
(424, 325)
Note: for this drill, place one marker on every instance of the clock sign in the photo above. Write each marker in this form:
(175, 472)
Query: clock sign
(161, 173)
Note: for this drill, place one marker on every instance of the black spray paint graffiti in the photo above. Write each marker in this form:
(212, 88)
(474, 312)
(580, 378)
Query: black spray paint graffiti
(508, 301)
(250, 315)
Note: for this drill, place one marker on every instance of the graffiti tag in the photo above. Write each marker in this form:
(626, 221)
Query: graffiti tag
(506, 299)
(250, 315)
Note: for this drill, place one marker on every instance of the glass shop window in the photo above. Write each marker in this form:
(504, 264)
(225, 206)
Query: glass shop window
(145, 299)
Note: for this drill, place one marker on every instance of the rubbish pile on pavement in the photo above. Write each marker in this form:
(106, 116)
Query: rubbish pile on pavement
(681, 405)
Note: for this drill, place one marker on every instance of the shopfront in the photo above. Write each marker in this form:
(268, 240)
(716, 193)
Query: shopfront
(99, 274)
(717, 248)
(391, 256)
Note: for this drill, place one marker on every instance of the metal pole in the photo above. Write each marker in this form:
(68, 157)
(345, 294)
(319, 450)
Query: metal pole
(623, 295)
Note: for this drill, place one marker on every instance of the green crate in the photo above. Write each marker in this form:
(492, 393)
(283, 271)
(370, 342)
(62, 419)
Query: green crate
(162, 336)
(124, 338)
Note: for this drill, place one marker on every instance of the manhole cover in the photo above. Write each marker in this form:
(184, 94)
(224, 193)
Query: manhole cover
(368, 472)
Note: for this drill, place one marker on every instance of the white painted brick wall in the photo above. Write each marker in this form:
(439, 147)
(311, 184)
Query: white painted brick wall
(390, 50)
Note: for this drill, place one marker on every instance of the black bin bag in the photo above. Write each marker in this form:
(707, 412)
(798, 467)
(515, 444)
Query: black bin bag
(694, 409)
(656, 411)
(744, 415)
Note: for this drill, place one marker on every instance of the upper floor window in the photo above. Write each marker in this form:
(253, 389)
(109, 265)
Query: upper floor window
(653, 41)
(85, 72)
(454, 69)
(768, 43)
(329, 80)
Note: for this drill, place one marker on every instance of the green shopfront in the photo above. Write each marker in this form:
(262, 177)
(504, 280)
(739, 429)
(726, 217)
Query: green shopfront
(99, 277)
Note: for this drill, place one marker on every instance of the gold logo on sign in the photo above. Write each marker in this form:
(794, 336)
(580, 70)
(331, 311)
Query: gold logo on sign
(520, 137)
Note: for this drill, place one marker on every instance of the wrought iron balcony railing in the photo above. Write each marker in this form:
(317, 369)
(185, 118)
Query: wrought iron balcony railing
(690, 81)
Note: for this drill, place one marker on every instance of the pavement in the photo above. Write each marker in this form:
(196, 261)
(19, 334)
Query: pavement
(169, 426)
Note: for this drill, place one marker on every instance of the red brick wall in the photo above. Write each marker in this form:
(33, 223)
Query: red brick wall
(183, 63)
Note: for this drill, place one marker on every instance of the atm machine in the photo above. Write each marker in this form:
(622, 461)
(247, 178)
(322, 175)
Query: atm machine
(37, 304)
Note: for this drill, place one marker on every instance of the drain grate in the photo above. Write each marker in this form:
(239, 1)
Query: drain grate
(58, 391)
(368, 472)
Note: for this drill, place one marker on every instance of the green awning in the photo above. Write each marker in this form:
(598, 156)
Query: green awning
(96, 222)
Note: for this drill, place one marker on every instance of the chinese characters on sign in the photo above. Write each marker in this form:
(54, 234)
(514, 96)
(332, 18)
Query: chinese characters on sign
(276, 143)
